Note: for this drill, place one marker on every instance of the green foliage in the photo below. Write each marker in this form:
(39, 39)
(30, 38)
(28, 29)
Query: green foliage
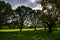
(50, 17)
(55, 2)
(5, 10)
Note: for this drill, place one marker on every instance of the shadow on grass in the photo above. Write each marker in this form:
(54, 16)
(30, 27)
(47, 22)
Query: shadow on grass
(30, 35)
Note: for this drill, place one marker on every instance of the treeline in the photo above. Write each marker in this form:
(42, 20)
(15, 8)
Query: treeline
(24, 16)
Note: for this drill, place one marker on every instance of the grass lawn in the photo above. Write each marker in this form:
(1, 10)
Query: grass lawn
(29, 34)
(14, 30)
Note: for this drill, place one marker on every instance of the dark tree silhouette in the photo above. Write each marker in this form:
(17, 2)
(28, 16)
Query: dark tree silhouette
(5, 9)
(50, 16)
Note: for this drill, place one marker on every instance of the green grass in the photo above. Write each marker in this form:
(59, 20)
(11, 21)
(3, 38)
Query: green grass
(13, 30)
(40, 34)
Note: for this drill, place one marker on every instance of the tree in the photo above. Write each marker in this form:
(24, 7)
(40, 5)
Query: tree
(23, 12)
(50, 13)
(34, 15)
(5, 9)
(33, 18)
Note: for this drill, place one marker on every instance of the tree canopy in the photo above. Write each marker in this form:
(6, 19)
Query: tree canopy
(49, 16)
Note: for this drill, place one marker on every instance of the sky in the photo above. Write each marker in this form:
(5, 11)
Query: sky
(29, 3)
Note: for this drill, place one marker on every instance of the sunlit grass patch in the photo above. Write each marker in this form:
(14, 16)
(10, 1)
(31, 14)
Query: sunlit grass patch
(12, 30)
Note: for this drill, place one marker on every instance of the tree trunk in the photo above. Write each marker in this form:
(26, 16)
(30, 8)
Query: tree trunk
(35, 27)
(0, 27)
(21, 26)
(45, 28)
(20, 29)
(9, 26)
(50, 29)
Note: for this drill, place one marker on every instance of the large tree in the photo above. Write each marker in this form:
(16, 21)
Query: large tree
(50, 12)
(34, 16)
(23, 13)
(5, 9)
